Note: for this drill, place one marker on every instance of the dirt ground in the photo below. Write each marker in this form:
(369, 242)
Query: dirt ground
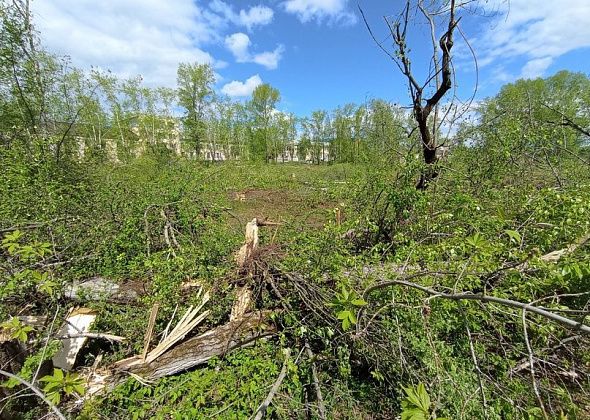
(291, 206)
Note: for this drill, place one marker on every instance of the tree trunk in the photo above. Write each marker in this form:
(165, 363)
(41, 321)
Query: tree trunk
(428, 150)
(200, 349)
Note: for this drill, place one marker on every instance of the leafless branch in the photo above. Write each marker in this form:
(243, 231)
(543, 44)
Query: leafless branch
(566, 322)
(531, 364)
(316, 383)
(379, 44)
(261, 410)
(36, 391)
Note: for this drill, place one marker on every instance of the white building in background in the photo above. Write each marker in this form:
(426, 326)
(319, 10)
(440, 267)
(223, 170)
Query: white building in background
(291, 154)
(211, 155)
(171, 139)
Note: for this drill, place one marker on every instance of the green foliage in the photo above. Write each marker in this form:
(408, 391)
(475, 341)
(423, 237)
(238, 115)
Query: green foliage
(345, 303)
(416, 405)
(95, 176)
(195, 93)
(229, 388)
(32, 363)
(27, 252)
(59, 385)
(262, 106)
(19, 277)
(16, 329)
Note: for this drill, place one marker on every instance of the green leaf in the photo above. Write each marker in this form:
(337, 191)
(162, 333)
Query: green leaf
(514, 236)
(54, 397)
(79, 388)
(17, 329)
(423, 397)
(413, 414)
(342, 315)
(416, 405)
(345, 324)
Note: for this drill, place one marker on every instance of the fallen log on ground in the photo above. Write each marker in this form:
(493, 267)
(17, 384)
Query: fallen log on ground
(186, 355)
(200, 349)
(555, 256)
(100, 288)
(120, 293)
(172, 356)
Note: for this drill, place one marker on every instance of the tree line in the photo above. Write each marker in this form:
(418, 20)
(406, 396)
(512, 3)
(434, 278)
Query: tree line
(51, 109)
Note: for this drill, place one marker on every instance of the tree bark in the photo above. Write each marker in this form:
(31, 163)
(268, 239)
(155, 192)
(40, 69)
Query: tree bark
(200, 349)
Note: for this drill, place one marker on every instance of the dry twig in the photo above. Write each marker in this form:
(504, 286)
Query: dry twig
(36, 391)
(262, 407)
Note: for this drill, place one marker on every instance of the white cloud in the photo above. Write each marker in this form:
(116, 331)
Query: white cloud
(239, 45)
(335, 11)
(257, 15)
(537, 30)
(536, 68)
(147, 37)
(269, 59)
(237, 88)
(254, 16)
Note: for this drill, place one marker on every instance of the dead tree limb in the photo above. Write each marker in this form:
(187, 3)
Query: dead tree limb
(150, 330)
(422, 106)
(567, 121)
(262, 407)
(200, 349)
(479, 372)
(531, 365)
(36, 391)
(566, 322)
(316, 383)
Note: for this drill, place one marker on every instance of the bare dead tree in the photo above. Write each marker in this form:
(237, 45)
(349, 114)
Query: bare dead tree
(425, 107)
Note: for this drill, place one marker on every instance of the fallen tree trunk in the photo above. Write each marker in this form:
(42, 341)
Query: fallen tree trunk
(103, 289)
(200, 349)
(186, 355)
(125, 293)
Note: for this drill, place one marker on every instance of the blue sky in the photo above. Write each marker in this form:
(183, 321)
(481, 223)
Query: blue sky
(318, 53)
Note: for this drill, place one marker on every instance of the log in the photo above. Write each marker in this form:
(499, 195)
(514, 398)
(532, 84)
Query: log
(555, 256)
(100, 288)
(200, 349)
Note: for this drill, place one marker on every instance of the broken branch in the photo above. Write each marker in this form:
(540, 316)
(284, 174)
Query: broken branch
(262, 407)
(566, 322)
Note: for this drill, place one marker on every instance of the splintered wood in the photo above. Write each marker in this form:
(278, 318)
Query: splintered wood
(244, 294)
(100, 288)
(198, 350)
(77, 323)
(242, 303)
(186, 355)
(172, 355)
(250, 243)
